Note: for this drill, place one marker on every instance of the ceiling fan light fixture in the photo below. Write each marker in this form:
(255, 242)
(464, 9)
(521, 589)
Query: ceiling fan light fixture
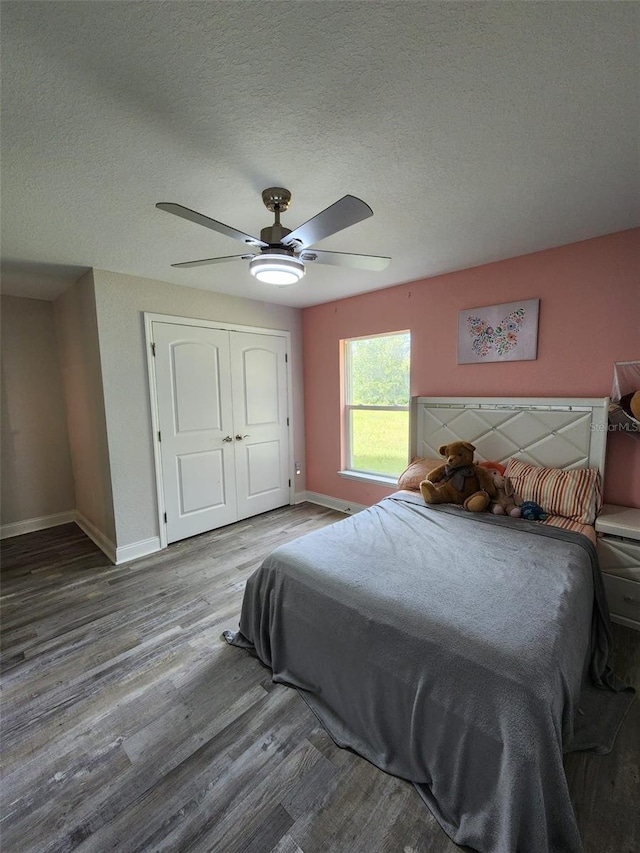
(277, 269)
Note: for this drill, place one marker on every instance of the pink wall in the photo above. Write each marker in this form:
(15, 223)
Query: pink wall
(589, 317)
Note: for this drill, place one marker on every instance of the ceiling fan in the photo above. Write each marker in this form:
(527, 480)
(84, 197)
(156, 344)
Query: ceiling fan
(279, 255)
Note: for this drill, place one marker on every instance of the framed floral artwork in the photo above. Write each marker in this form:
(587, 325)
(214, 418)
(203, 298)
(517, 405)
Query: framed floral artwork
(506, 332)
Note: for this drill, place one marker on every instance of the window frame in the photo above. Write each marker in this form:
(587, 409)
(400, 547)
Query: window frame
(349, 471)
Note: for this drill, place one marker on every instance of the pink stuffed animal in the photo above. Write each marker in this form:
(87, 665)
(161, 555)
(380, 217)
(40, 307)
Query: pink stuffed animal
(504, 502)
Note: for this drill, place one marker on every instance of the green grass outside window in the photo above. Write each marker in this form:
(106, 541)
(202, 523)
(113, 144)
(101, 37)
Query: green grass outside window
(379, 441)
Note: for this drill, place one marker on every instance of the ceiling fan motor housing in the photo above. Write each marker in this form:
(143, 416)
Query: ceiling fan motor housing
(274, 234)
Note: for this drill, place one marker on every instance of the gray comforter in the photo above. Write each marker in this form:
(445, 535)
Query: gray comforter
(449, 649)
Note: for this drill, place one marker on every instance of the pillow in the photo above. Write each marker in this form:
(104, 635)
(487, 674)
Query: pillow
(416, 471)
(587, 530)
(574, 493)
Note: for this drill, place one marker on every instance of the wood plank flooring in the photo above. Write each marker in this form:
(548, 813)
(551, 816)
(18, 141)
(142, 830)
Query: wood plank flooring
(129, 725)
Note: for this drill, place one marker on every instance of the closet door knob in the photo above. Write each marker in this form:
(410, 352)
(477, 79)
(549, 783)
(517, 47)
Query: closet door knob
(240, 437)
(228, 438)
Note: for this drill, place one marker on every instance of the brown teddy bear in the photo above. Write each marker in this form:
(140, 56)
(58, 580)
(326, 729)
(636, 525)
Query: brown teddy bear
(459, 481)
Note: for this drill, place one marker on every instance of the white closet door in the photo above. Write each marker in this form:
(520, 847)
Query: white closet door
(261, 432)
(197, 447)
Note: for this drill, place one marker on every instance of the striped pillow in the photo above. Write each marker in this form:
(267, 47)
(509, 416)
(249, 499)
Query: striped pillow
(587, 530)
(574, 493)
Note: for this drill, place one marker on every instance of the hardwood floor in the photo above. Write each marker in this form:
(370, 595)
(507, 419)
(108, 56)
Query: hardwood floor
(130, 725)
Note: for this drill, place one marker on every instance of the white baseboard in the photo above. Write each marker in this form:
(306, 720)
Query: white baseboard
(332, 503)
(122, 554)
(117, 555)
(96, 536)
(30, 525)
(125, 553)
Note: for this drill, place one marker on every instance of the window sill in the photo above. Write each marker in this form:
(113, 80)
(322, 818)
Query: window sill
(376, 479)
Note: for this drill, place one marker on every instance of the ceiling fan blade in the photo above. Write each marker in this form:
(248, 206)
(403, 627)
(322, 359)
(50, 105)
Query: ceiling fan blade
(213, 224)
(345, 259)
(205, 261)
(343, 213)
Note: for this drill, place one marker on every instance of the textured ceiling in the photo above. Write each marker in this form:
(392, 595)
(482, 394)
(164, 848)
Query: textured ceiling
(476, 131)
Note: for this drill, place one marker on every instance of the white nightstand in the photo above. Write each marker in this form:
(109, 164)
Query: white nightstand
(619, 552)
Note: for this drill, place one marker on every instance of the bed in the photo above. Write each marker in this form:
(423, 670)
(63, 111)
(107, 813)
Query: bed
(463, 652)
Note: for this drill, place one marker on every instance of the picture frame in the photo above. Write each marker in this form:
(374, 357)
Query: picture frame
(504, 332)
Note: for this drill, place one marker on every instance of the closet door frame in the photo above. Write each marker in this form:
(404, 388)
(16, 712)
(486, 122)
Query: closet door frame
(149, 319)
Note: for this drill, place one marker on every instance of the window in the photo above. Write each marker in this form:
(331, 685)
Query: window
(377, 403)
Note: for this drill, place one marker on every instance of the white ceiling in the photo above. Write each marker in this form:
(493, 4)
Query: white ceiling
(476, 131)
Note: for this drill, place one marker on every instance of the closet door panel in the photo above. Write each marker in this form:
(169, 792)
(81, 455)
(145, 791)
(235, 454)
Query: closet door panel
(259, 383)
(195, 414)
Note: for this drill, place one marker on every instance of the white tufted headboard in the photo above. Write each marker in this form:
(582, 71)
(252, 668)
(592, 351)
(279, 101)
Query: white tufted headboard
(550, 432)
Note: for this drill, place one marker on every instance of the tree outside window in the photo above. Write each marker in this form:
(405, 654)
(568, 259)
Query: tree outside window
(377, 403)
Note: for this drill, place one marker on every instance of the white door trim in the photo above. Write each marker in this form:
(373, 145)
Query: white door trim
(149, 319)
